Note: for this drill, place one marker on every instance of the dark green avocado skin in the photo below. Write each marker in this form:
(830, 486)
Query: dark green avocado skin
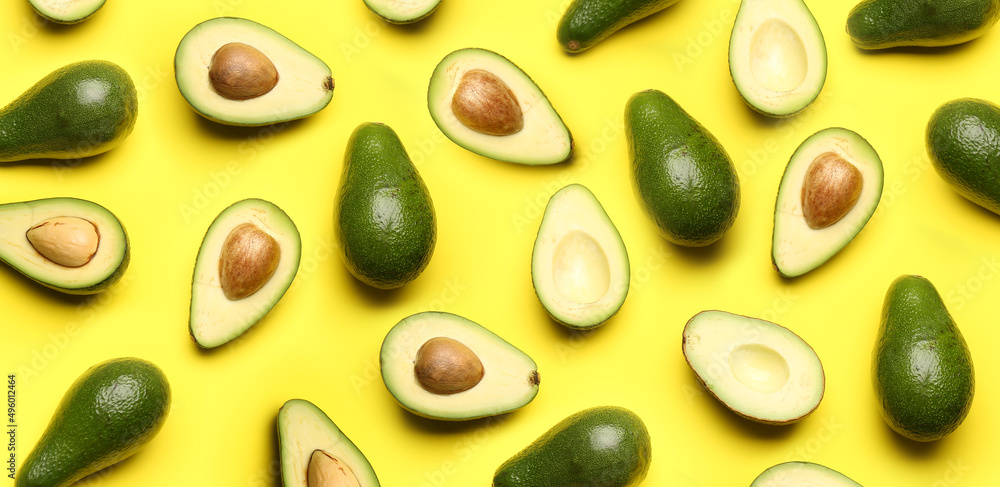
(79, 110)
(604, 446)
(108, 413)
(963, 142)
(587, 22)
(881, 24)
(682, 175)
(921, 367)
(384, 217)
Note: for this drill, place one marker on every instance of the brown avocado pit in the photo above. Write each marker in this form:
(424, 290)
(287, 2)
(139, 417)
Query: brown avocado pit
(240, 72)
(484, 103)
(446, 366)
(830, 189)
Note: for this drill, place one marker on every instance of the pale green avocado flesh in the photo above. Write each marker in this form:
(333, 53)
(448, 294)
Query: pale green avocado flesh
(802, 473)
(66, 11)
(402, 11)
(304, 83)
(798, 247)
(303, 428)
(217, 318)
(105, 267)
(777, 56)
(543, 138)
(509, 380)
(579, 264)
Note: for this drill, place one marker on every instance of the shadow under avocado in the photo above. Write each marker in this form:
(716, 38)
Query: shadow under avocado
(74, 300)
(735, 421)
(701, 255)
(437, 426)
(58, 164)
(238, 132)
(916, 450)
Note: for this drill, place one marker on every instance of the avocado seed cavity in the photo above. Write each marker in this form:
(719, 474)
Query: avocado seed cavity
(327, 471)
(830, 189)
(446, 366)
(241, 72)
(66, 240)
(484, 103)
(248, 260)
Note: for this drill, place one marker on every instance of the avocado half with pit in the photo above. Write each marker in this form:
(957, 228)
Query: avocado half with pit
(315, 453)
(238, 72)
(247, 261)
(777, 56)
(402, 11)
(67, 244)
(486, 104)
(758, 369)
(66, 11)
(802, 473)
(579, 265)
(443, 366)
(829, 191)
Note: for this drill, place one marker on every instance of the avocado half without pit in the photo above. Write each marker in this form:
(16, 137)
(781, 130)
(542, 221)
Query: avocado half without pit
(238, 72)
(443, 366)
(247, 261)
(829, 191)
(758, 369)
(579, 265)
(486, 104)
(67, 244)
(66, 11)
(777, 56)
(314, 452)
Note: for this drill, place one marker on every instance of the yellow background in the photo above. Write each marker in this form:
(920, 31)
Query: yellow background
(177, 171)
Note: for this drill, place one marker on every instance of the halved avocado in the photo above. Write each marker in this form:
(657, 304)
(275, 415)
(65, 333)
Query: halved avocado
(247, 261)
(238, 72)
(443, 366)
(67, 244)
(486, 104)
(402, 11)
(579, 265)
(802, 473)
(830, 188)
(66, 11)
(777, 56)
(758, 369)
(315, 453)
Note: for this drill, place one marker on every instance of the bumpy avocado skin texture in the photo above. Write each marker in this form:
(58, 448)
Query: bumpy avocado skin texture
(963, 140)
(682, 175)
(921, 367)
(881, 24)
(604, 446)
(79, 110)
(109, 412)
(587, 22)
(384, 219)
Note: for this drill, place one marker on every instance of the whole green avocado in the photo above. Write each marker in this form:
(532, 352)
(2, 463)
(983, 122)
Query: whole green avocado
(881, 24)
(963, 141)
(604, 446)
(921, 367)
(384, 217)
(106, 416)
(587, 22)
(682, 175)
(79, 110)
